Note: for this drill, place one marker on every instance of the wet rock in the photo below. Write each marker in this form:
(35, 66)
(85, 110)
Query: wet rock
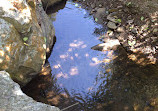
(111, 25)
(13, 99)
(109, 45)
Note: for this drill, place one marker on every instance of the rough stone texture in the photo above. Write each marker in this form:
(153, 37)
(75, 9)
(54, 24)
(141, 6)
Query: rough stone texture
(23, 59)
(47, 28)
(111, 25)
(111, 44)
(13, 99)
(99, 14)
(17, 13)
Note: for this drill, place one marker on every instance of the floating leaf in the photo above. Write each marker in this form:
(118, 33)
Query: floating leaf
(142, 18)
(25, 39)
(80, 7)
(76, 5)
(131, 43)
(96, 19)
(84, 12)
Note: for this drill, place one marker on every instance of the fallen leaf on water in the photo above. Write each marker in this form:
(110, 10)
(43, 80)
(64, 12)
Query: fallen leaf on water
(76, 5)
(96, 19)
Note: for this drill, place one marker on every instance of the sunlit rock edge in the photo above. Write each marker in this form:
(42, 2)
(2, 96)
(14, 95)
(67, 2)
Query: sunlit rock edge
(23, 58)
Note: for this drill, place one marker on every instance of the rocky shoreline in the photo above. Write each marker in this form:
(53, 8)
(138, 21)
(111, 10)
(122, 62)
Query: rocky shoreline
(27, 37)
(135, 27)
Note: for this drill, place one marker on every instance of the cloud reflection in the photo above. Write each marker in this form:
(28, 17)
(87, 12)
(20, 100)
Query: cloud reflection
(73, 71)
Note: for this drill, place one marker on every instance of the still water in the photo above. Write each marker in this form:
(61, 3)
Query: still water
(83, 79)
(73, 61)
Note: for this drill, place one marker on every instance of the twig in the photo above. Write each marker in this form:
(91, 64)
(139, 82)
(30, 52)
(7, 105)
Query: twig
(59, 67)
(70, 106)
(46, 7)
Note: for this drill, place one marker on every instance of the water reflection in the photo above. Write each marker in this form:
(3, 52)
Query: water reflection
(125, 86)
(99, 81)
(73, 61)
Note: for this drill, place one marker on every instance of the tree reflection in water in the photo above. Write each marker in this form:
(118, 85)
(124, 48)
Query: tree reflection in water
(125, 82)
(122, 85)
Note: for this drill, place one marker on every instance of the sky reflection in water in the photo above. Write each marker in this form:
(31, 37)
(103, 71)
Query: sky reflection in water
(73, 61)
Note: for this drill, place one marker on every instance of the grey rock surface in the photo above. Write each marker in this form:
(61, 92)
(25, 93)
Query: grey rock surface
(13, 99)
(111, 25)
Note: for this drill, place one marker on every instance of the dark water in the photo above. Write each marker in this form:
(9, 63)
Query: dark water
(83, 79)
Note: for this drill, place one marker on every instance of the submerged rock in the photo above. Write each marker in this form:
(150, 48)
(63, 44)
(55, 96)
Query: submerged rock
(110, 45)
(13, 99)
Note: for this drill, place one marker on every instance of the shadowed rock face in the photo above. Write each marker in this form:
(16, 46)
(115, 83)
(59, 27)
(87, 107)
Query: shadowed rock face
(13, 99)
(48, 3)
(25, 36)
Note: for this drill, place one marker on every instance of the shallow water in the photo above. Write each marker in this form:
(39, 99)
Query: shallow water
(113, 80)
(73, 61)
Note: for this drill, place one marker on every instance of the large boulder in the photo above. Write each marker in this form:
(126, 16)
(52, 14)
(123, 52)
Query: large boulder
(24, 37)
(13, 99)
